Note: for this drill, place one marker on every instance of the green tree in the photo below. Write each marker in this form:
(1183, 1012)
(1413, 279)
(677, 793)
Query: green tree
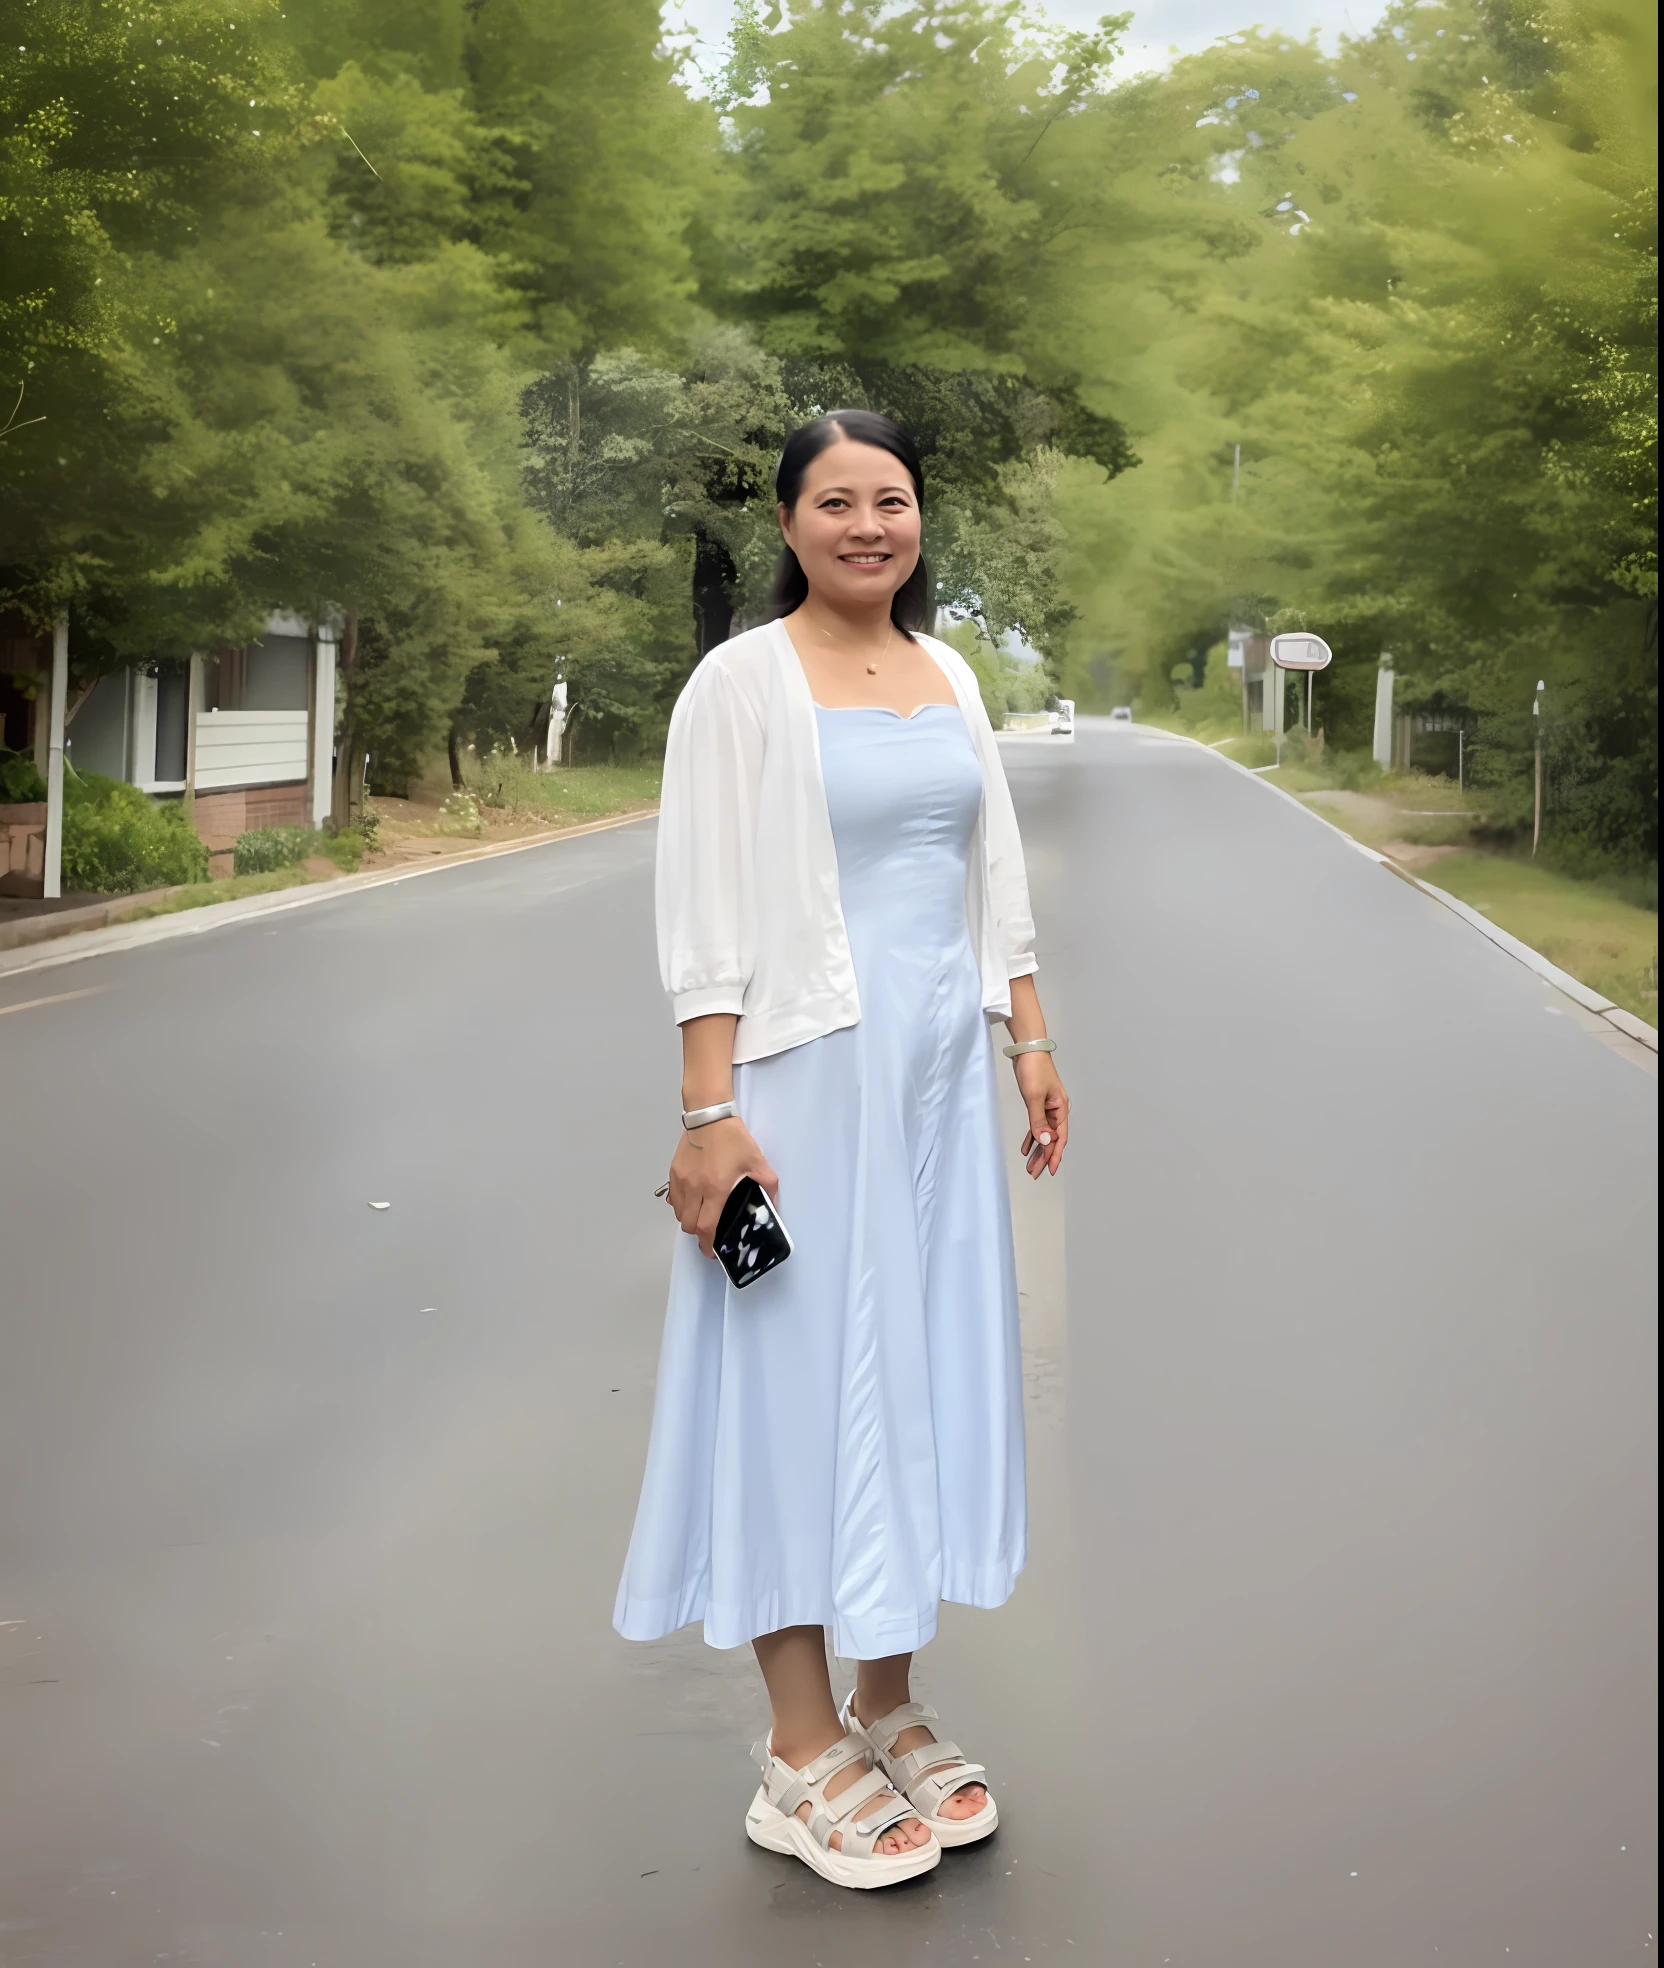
(1414, 285)
(124, 130)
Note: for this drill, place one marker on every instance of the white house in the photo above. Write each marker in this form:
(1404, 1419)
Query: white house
(250, 731)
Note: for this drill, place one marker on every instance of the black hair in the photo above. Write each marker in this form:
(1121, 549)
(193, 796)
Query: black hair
(913, 606)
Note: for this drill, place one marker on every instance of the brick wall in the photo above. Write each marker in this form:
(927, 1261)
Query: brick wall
(221, 817)
(23, 849)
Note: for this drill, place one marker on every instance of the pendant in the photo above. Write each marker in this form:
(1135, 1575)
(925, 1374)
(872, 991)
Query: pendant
(872, 669)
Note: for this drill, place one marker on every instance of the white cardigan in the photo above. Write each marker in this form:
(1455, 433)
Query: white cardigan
(747, 884)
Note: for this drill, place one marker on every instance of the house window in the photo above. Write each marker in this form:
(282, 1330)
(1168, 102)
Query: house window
(172, 705)
(275, 673)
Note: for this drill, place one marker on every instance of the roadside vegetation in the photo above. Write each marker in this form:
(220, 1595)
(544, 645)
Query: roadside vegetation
(118, 842)
(483, 332)
(231, 888)
(560, 796)
(1588, 928)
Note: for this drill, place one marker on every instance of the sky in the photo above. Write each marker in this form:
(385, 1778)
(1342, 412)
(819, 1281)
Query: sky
(1162, 24)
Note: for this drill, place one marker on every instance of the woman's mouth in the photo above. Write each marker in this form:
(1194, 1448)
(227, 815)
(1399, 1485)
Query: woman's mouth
(864, 560)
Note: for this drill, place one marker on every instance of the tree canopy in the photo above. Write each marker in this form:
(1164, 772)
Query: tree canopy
(480, 327)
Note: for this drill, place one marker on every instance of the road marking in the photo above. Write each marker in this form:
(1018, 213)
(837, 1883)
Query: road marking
(58, 997)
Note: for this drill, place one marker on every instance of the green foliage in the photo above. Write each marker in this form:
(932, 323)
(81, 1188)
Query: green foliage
(229, 888)
(460, 814)
(1415, 284)
(20, 783)
(1215, 702)
(346, 847)
(1589, 929)
(506, 783)
(896, 193)
(262, 849)
(117, 841)
(894, 232)
(474, 327)
(1005, 684)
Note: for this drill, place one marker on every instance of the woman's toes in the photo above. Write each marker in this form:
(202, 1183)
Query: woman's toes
(965, 1803)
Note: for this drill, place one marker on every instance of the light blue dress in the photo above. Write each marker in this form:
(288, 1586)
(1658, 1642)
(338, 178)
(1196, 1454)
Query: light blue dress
(841, 1444)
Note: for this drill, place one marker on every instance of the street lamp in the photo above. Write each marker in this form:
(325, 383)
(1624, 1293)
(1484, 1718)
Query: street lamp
(1537, 775)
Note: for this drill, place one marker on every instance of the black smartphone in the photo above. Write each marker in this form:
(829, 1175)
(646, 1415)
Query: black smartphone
(750, 1238)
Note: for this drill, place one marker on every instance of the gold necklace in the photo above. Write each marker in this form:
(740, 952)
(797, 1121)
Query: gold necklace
(872, 668)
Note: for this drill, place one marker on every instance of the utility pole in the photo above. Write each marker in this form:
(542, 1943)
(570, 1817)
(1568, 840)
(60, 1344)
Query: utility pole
(1236, 472)
(53, 871)
(1537, 775)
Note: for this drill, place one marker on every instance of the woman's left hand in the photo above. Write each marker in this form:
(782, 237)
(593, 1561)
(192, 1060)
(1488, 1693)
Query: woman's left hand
(1048, 1112)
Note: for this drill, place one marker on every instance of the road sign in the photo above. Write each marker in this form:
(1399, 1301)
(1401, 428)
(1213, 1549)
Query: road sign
(1301, 652)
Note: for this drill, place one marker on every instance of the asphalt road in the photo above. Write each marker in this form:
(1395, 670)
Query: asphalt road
(1335, 1650)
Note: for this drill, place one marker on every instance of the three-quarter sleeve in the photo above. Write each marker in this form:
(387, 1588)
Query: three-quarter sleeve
(705, 883)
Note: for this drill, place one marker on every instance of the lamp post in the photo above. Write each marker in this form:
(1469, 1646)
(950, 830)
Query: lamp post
(1537, 773)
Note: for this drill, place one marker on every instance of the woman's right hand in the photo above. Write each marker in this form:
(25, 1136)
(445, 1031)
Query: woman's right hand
(708, 1162)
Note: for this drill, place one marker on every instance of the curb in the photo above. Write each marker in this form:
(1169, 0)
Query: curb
(98, 942)
(46, 928)
(1620, 1020)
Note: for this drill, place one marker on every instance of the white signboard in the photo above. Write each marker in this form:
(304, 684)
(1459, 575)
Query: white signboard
(1301, 651)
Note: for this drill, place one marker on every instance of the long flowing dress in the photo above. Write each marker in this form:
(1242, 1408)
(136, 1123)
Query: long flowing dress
(841, 1444)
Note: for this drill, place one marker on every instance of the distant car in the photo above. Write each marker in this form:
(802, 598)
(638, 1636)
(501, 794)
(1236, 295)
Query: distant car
(1122, 714)
(1063, 718)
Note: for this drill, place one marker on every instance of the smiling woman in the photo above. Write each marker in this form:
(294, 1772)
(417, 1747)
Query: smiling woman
(857, 524)
(842, 908)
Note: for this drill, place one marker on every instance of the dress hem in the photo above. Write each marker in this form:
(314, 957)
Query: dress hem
(983, 1587)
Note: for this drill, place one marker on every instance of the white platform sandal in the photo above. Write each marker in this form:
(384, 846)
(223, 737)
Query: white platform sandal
(926, 1777)
(773, 1823)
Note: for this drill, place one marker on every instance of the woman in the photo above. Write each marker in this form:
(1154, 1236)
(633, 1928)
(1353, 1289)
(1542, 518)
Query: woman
(842, 908)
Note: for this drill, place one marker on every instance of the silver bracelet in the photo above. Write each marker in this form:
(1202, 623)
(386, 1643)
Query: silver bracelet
(1031, 1045)
(698, 1117)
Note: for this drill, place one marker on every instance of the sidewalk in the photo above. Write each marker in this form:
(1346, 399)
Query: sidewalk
(28, 919)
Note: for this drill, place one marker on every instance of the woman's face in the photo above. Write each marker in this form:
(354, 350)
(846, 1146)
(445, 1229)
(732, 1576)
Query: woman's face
(855, 527)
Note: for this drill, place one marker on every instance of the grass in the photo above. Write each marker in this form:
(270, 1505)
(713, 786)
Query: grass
(565, 796)
(1596, 936)
(200, 895)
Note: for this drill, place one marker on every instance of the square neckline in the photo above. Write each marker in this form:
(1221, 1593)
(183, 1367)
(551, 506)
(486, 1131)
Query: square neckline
(904, 717)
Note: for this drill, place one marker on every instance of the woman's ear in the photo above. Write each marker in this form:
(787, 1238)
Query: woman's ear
(783, 513)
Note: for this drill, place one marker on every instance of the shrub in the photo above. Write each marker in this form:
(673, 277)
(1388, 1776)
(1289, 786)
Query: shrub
(346, 848)
(263, 849)
(116, 840)
(20, 783)
(460, 815)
